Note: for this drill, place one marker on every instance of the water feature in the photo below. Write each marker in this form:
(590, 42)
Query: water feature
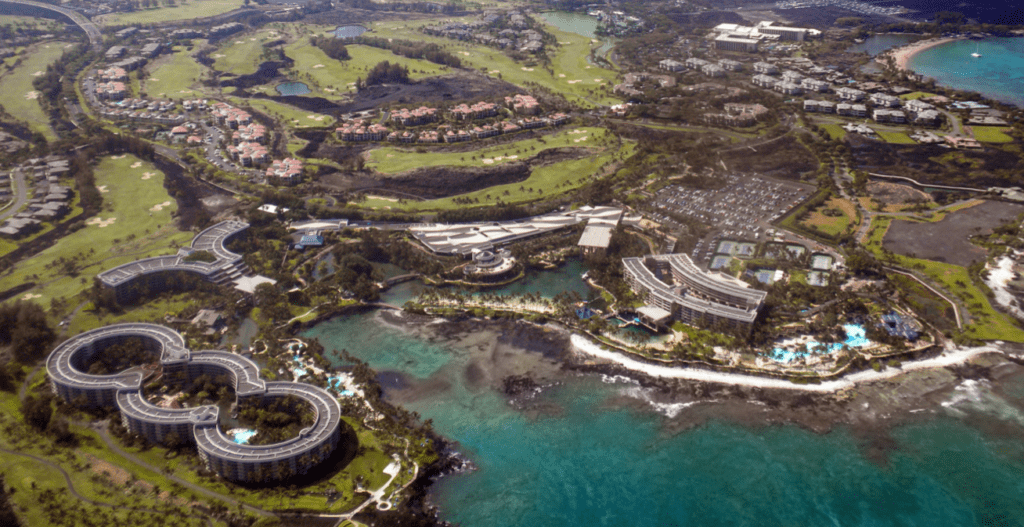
(241, 435)
(578, 23)
(348, 31)
(876, 44)
(293, 88)
(998, 74)
(856, 337)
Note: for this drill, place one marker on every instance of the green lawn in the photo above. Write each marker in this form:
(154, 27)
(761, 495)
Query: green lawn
(20, 97)
(991, 134)
(28, 22)
(391, 160)
(570, 75)
(241, 54)
(986, 322)
(916, 95)
(184, 10)
(544, 182)
(288, 116)
(331, 78)
(136, 222)
(832, 225)
(834, 131)
(896, 138)
(174, 76)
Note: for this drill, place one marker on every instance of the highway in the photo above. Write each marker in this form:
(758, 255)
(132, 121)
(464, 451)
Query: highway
(91, 30)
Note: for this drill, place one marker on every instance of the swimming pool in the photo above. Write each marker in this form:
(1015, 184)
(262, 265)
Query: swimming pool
(856, 337)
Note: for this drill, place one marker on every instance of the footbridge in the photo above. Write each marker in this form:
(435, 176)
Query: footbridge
(91, 29)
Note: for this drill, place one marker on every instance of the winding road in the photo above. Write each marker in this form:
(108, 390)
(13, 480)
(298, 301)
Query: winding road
(21, 196)
(91, 30)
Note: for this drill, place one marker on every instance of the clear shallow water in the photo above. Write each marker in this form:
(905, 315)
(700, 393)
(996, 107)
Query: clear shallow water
(293, 88)
(590, 460)
(590, 453)
(242, 435)
(856, 337)
(997, 74)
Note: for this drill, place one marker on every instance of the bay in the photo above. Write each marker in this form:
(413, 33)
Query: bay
(997, 74)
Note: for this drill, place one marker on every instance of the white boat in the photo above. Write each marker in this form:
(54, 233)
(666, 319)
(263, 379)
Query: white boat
(976, 54)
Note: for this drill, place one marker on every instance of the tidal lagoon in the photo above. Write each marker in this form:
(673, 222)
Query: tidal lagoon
(594, 449)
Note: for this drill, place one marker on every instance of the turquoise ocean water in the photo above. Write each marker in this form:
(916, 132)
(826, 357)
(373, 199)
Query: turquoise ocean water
(998, 73)
(579, 455)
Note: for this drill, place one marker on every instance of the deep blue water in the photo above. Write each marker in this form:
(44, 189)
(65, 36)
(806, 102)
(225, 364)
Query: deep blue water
(293, 88)
(998, 73)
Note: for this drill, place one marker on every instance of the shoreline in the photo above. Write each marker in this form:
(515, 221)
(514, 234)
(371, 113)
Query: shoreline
(585, 346)
(904, 54)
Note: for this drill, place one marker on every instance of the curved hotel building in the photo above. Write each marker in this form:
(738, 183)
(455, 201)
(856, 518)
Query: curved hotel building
(678, 289)
(159, 273)
(68, 363)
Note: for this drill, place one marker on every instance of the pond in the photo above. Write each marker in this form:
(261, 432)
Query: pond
(348, 31)
(293, 88)
(578, 23)
(878, 44)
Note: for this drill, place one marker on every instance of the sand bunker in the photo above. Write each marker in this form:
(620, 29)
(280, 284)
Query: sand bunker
(147, 175)
(598, 80)
(577, 131)
(527, 69)
(492, 72)
(239, 42)
(315, 66)
(160, 206)
(488, 161)
(37, 74)
(102, 189)
(136, 164)
(118, 157)
(30, 296)
(561, 75)
(584, 138)
(32, 95)
(574, 81)
(219, 56)
(466, 53)
(101, 223)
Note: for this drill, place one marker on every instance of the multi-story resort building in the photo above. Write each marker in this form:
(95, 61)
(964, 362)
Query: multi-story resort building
(693, 296)
(68, 363)
(161, 273)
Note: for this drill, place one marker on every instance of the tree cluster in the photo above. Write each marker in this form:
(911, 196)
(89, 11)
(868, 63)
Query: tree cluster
(331, 46)
(387, 73)
(23, 325)
(414, 50)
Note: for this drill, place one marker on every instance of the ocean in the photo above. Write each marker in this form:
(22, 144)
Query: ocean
(590, 450)
(997, 74)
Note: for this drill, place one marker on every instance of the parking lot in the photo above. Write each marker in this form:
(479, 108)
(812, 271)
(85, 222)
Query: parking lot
(742, 209)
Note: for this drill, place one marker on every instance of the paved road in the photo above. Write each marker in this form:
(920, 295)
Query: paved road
(91, 30)
(21, 196)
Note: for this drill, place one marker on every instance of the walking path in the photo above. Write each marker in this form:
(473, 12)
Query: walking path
(948, 358)
(74, 492)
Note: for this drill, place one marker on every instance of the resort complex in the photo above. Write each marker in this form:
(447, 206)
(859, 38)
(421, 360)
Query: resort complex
(68, 364)
(206, 258)
(680, 291)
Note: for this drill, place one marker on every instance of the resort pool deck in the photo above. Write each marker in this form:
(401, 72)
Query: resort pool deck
(856, 337)
(241, 435)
